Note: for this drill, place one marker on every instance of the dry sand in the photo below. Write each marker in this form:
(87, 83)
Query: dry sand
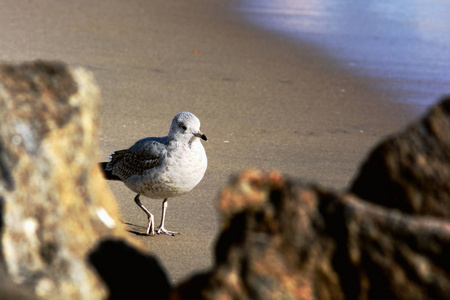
(264, 102)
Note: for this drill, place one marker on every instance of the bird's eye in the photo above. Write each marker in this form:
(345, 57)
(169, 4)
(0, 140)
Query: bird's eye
(183, 127)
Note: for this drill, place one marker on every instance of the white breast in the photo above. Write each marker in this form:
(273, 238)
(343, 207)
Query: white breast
(182, 170)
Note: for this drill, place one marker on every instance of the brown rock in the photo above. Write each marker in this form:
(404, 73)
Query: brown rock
(410, 171)
(282, 239)
(56, 210)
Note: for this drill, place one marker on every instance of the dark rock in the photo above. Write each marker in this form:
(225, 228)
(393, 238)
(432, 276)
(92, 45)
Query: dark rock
(54, 205)
(282, 239)
(128, 272)
(410, 171)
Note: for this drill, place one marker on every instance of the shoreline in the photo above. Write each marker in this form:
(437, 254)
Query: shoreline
(387, 43)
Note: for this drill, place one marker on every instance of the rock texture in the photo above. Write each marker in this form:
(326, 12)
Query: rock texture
(410, 171)
(55, 209)
(283, 239)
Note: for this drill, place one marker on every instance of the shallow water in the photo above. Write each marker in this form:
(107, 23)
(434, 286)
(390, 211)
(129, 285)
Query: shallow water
(403, 44)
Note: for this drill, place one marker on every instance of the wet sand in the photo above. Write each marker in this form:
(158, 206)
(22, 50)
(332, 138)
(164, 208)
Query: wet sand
(264, 101)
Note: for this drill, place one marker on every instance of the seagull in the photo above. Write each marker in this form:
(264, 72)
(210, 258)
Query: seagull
(161, 167)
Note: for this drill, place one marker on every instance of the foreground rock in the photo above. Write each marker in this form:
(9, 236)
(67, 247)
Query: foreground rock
(411, 170)
(286, 240)
(282, 239)
(60, 230)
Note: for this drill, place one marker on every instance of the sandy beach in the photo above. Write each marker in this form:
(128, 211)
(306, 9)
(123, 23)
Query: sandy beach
(264, 101)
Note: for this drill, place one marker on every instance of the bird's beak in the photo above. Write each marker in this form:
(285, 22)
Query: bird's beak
(201, 135)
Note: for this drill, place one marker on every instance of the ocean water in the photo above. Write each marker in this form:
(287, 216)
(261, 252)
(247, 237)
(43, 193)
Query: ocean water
(403, 43)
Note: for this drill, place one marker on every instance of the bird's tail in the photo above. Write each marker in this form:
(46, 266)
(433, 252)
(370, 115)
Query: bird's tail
(108, 174)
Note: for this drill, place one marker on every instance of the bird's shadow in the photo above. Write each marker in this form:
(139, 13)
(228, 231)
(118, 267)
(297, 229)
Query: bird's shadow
(131, 224)
(138, 233)
(135, 232)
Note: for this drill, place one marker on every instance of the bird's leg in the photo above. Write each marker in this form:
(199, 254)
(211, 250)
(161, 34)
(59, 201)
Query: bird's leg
(161, 228)
(151, 219)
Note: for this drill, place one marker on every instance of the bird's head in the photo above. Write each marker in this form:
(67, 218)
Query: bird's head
(186, 126)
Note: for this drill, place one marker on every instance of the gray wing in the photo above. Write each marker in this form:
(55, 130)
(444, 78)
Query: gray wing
(142, 156)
